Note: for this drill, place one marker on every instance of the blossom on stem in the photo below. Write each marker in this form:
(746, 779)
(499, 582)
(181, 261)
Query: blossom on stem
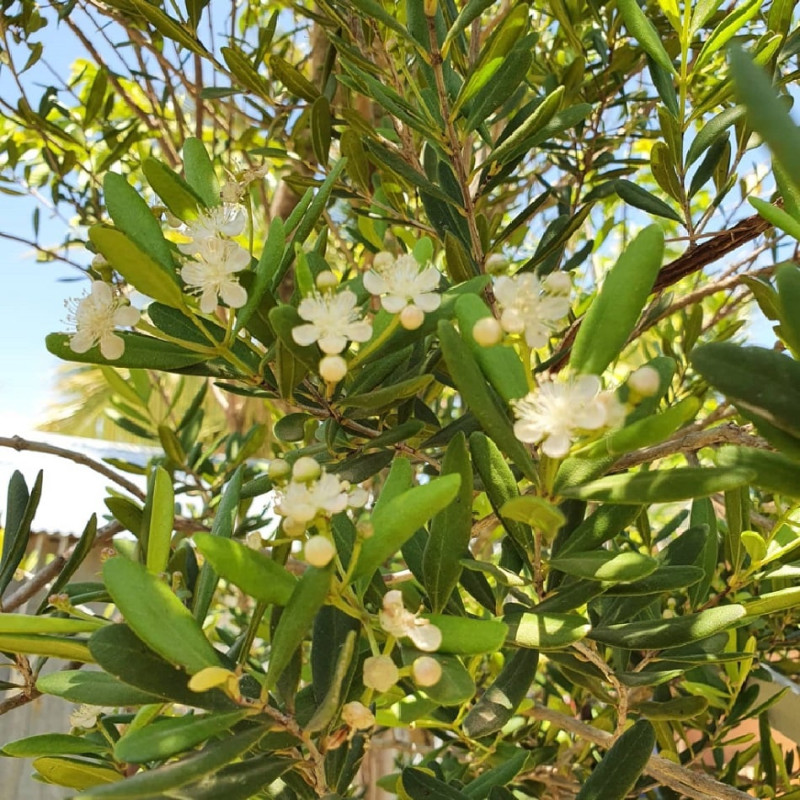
(85, 716)
(211, 273)
(213, 223)
(332, 320)
(558, 411)
(398, 622)
(96, 316)
(357, 716)
(403, 282)
(532, 307)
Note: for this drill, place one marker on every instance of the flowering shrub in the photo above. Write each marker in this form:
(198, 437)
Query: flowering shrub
(495, 503)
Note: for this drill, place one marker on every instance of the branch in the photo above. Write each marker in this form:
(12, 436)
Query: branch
(687, 782)
(18, 443)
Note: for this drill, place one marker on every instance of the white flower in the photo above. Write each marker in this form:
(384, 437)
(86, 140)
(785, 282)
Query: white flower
(398, 622)
(557, 411)
(532, 306)
(85, 716)
(96, 316)
(357, 716)
(211, 273)
(301, 501)
(380, 673)
(332, 320)
(212, 223)
(403, 282)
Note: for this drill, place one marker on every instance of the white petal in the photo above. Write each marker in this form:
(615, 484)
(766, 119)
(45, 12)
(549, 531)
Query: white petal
(557, 445)
(309, 308)
(374, 283)
(101, 292)
(536, 335)
(125, 316)
(208, 300)
(111, 346)
(359, 331)
(234, 294)
(394, 304)
(586, 386)
(528, 431)
(305, 335)
(425, 635)
(332, 343)
(427, 302)
(81, 342)
(591, 416)
(194, 274)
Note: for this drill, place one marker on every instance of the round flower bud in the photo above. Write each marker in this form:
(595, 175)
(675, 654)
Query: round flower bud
(319, 551)
(357, 716)
(253, 540)
(382, 260)
(306, 469)
(496, 264)
(293, 528)
(278, 469)
(380, 673)
(326, 281)
(487, 331)
(558, 283)
(427, 671)
(364, 528)
(412, 317)
(332, 368)
(644, 381)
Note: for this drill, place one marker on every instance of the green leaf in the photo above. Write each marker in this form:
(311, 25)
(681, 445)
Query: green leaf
(456, 685)
(606, 566)
(199, 171)
(766, 113)
(26, 623)
(664, 579)
(471, 10)
(296, 619)
(787, 277)
(679, 708)
(293, 79)
(640, 198)
(497, 776)
(388, 396)
(756, 380)
(156, 782)
(176, 194)
(641, 29)
(151, 277)
(783, 600)
(142, 599)
(168, 26)
(773, 471)
(466, 636)
(666, 633)
(321, 129)
(340, 679)
(599, 527)
(94, 688)
(52, 744)
(545, 631)
(254, 573)
(450, 529)
(712, 132)
(619, 769)
(73, 773)
(397, 521)
(470, 382)
(613, 313)
(500, 701)
(45, 645)
(725, 31)
(662, 486)
(534, 511)
(417, 784)
(169, 737)
(20, 511)
(135, 219)
(162, 513)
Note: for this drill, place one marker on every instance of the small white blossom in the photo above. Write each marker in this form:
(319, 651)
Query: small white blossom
(96, 316)
(558, 411)
(211, 273)
(403, 282)
(301, 501)
(357, 716)
(333, 320)
(85, 716)
(213, 223)
(531, 306)
(380, 673)
(398, 622)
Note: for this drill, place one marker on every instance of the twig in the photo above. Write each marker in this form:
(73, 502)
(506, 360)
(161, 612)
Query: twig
(687, 782)
(622, 693)
(18, 443)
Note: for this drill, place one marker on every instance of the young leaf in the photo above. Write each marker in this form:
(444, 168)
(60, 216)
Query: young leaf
(725, 31)
(641, 29)
(640, 198)
(176, 194)
(20, 511)
(199, 171)
(162, 514)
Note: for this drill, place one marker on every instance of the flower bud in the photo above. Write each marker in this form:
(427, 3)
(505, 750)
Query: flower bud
(412, 317)
(293, 528)
(332, 368)
(278, 469)
(306, 469)
(496, 264)
(319, 551)
(380, 673)
(487, 331)
(645, 381)
(558, 283)
(382, 260)
(357, 716)
(427, 671)
(253, 540)
(326, 281)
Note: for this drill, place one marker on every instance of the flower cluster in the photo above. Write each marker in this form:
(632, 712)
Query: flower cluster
(405, 287)
(560, 410)
(398, 622)
(531, 306)
(215, 258)
(96, 316)
(313, 493)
